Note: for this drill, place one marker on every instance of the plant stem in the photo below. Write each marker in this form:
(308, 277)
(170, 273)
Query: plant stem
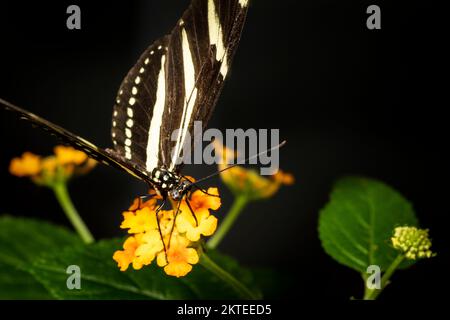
(239, 203)
(62, 194)
(372, 294)
(239, 287)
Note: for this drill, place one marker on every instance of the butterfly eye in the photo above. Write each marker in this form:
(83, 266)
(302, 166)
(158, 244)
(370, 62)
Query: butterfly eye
(175, 194)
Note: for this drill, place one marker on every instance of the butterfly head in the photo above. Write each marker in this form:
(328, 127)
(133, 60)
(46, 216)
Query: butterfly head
(177, 193)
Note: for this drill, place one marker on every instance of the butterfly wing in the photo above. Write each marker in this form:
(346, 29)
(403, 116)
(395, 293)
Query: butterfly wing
(176, 81)
(140, 91)
(101, 155)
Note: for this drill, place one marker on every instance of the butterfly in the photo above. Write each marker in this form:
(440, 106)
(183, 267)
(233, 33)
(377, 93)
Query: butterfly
(176, 81)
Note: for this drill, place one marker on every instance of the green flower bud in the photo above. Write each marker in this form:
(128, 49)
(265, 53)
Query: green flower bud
(414, 243)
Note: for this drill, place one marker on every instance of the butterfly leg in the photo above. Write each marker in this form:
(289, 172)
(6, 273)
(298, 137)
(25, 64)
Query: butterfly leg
(141, 200)
(198, 188)
(204, 191)
(192, 211)
(174, 221)
(159, 225)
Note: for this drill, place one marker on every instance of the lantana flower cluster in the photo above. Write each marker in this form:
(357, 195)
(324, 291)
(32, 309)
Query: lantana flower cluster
(182, 234)
(248, 182)
(65, 163)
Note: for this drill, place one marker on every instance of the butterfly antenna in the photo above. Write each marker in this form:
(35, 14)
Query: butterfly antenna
(245, 160)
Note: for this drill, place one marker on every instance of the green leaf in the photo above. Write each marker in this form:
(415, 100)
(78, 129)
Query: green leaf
(102, 279)
(22, 241)
(356, 225)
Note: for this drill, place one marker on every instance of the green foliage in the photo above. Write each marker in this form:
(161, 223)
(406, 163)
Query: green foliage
(34, 257)
(21, 242)
(356, 225)
(101, 278)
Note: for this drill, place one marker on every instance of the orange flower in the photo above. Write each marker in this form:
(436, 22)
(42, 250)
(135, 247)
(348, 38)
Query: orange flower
(46, 171)
(126, 256)
(201, 201)
(203, 223)
(27, 165)
(49, 165)
(248, 182)
(179, 239)
(140, 221)
(138, 203)
(68, 155)
(149, 247)
(284, 178)
(180, 257)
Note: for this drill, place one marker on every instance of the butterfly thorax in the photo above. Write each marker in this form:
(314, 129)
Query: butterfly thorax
(167, 183)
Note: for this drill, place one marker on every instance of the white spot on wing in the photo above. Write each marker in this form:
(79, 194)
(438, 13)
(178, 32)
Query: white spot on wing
(137, 80)
(130, 123)
(128, 133)
(134, 90)
(130, 112)
(132, 101)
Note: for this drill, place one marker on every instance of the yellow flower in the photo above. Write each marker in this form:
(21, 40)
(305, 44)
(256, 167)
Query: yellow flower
(46, 171)
(180, 257)
(140, 221)
(284, 178)
(148, 249)
(68, 155)
(204, 223)
(414, 243)
(166, 224)
(138, 203)
(27, 165)
(248, 182)
(49, 165)
(180, 239)
(126, 256)
(201, 201)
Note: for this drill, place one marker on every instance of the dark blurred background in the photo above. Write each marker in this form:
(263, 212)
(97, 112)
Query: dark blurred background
(349, 101)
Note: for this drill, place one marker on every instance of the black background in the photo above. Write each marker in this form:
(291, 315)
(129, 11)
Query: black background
(349, 101)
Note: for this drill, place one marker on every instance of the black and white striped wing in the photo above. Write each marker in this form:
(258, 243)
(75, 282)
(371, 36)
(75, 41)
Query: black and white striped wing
(175, 82)
(140, 99)
(101, 155)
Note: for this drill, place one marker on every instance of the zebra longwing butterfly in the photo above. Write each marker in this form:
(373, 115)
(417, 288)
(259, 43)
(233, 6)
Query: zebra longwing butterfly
(175, 82)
